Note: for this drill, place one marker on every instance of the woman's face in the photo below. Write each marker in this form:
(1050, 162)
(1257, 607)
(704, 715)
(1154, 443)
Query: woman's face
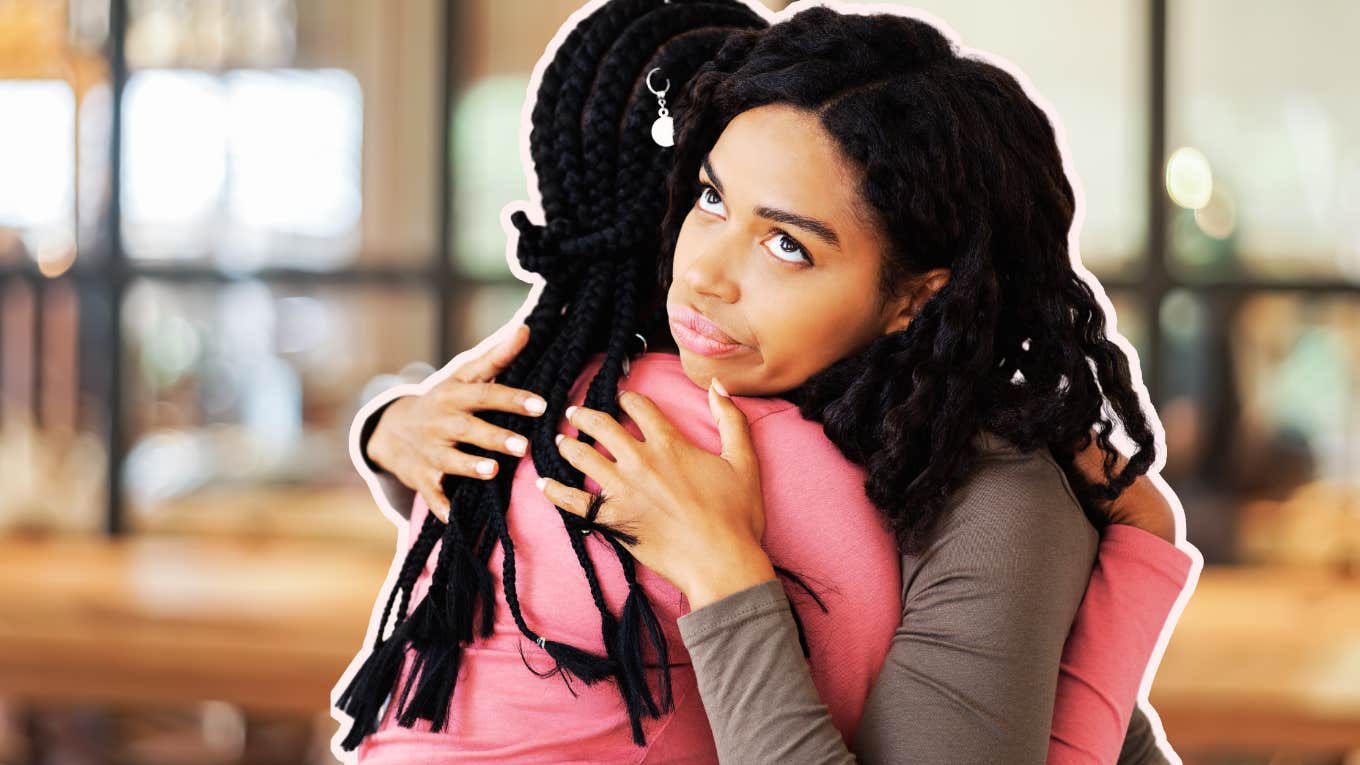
(777, 254)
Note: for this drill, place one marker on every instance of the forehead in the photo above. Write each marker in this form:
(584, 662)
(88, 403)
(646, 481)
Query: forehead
(781, 156)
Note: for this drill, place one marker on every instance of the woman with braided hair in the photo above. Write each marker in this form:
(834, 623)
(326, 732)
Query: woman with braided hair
(864, 237)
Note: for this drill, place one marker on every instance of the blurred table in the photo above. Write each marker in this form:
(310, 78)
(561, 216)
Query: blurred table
(1264, 657)
(267, 625)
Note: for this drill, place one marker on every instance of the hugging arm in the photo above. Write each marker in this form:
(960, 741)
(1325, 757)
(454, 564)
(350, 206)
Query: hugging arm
(972, 670)
(394, 492)
(970, 675)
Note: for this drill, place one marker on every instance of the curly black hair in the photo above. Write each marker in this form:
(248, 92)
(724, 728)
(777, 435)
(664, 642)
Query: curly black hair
(961, 170)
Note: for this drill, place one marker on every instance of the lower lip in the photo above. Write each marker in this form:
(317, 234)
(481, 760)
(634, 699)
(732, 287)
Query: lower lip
(700, 344)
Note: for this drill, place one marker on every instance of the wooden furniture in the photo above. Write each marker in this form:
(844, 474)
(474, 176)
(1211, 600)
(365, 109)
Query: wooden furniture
(265, 625)
(1262, 658)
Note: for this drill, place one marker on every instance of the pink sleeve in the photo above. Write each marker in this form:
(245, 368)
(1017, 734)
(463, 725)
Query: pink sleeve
(1136, 581)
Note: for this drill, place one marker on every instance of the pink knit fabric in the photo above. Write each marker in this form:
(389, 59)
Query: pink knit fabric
(1135, 583)
(819, 525)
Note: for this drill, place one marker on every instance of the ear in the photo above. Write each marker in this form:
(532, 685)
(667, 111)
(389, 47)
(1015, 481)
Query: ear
(921, 290)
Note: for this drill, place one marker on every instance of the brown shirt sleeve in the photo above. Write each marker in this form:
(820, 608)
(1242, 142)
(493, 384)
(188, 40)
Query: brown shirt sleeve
(972, 669)
(396, 493)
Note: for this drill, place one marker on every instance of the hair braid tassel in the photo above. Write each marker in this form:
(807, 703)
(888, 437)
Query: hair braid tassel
(639, 621)
(443, 628)
(366, 696)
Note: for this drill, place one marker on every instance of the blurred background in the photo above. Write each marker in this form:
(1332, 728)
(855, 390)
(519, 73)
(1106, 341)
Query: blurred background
(227, 224)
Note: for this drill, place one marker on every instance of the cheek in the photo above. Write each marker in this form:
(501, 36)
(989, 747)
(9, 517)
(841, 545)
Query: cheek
(684, 243)
(804, 333)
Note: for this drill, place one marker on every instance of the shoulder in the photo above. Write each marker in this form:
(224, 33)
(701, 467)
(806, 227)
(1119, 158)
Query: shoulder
(1009, 489)
(1015, 516)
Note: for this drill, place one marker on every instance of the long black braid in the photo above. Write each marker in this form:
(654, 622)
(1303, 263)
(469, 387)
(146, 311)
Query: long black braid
(602, 182)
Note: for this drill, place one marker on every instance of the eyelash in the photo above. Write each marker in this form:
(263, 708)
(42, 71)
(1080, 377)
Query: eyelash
(807, 257)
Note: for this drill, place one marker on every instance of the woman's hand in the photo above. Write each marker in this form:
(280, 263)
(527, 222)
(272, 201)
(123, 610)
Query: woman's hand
(697, 517)
(1142, 505)
(417, 437)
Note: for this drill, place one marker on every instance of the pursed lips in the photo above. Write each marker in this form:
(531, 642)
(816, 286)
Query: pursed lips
(700, 324)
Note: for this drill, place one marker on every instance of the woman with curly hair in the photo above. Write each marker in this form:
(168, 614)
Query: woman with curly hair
(862, 252)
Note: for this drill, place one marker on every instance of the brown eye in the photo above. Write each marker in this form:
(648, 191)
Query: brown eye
(704, 191)
(789, 246)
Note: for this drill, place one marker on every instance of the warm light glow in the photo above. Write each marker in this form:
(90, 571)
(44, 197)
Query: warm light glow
(253, 166)
(56, 254)
(1189, 180)
(1218, 218)
(174, 158)
(294, 144)
(37, 147)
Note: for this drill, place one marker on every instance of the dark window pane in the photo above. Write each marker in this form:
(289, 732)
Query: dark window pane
(1262, 418)
(1297, 456)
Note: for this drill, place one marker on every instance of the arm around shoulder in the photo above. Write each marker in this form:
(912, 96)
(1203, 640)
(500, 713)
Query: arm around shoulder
(971, 672)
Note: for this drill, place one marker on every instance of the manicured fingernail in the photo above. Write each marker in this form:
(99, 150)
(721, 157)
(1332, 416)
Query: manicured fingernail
(719, 387)
(486, 467)
(539, 483)
(535, 406)
(559, 438)
(516, 444)
(570, 409)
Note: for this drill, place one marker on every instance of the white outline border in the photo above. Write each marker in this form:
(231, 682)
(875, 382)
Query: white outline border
(534, 209)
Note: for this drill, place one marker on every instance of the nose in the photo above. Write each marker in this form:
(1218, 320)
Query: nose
(710, 273)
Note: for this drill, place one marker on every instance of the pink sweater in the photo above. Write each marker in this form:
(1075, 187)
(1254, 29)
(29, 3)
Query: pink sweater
(501, 712)
(1137, 579)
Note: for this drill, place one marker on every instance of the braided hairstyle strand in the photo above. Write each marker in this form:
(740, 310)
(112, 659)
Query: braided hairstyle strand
(601, 178)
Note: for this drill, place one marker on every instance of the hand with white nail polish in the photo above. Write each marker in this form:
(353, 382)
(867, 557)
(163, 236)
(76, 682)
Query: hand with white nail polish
(417, 437)
(694, 517)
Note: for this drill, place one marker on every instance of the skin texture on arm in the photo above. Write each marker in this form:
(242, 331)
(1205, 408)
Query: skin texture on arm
(971, 673)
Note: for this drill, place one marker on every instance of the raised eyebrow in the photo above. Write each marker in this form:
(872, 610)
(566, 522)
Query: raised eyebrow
(819, 228)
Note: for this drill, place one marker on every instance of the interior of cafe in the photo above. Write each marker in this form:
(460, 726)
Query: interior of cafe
(226, 225)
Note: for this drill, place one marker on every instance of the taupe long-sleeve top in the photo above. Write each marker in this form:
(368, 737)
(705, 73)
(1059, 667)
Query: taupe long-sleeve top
(971, 673)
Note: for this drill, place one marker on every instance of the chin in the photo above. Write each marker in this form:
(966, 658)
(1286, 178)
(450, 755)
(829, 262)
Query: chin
(696, 367)
(700, 369)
